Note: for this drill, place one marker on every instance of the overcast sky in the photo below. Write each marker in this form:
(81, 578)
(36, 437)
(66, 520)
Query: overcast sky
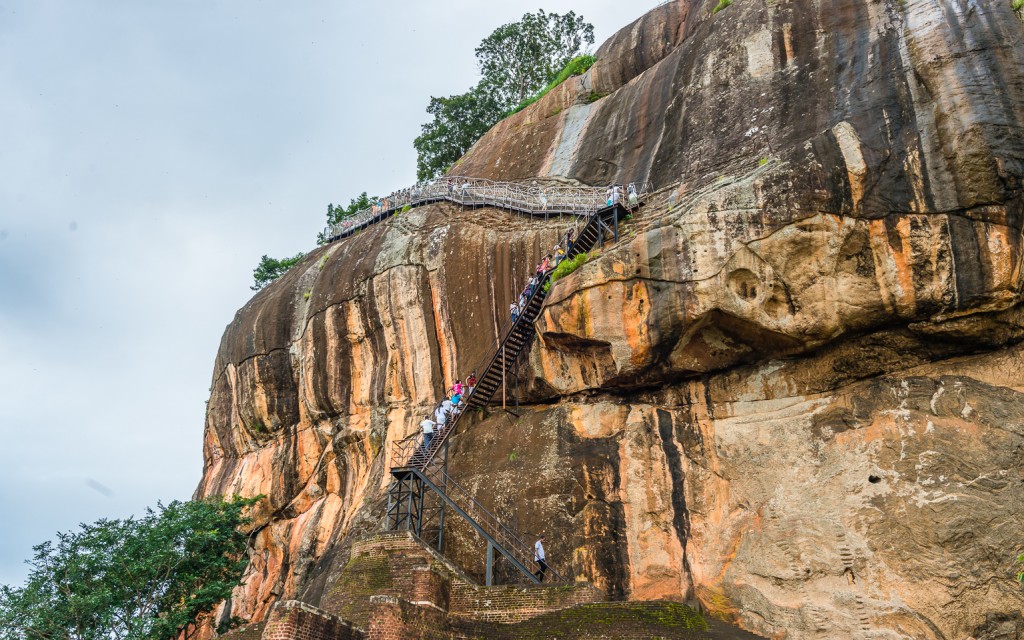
(150, 153)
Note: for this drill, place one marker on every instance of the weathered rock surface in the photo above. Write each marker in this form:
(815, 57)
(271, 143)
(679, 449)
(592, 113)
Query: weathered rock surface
(794, 392)
(320, 372)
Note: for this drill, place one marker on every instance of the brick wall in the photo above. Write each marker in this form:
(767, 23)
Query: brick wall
(391, 564)
(396, 588)
(397, 619)
(293, 620)
(398, 565)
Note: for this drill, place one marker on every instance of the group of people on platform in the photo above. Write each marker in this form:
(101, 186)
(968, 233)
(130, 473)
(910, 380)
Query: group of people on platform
(614, 195)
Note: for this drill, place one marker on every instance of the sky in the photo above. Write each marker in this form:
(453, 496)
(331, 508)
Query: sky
(150, 153)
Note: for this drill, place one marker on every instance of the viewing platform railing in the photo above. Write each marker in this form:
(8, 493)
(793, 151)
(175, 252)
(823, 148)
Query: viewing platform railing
(529, 199)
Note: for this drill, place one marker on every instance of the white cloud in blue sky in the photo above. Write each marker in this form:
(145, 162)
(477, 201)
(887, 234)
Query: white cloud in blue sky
(150, 152)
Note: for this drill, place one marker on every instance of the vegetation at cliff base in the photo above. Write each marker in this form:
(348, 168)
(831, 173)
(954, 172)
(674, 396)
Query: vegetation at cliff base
(722, 4)
(517, 61)
(270, 269)
(150, 578)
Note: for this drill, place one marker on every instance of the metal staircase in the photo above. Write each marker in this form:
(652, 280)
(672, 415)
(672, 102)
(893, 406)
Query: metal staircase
(421, 489)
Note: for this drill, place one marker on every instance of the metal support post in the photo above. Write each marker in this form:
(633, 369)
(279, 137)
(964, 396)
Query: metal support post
(490, 564)
(409, 506)
(444, 487)
(419, 507)
(517, 395)
(616, 224)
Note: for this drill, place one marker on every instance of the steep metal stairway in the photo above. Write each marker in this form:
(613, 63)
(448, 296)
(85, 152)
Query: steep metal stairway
(421, 489)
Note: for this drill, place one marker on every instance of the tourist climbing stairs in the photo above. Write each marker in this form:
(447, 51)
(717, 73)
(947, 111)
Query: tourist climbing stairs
(421, 488)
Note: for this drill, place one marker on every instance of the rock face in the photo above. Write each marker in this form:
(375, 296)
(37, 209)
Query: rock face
(320, 372)
(794, 390)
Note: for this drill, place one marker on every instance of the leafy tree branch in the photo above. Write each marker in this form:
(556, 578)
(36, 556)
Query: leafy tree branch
(156, 577)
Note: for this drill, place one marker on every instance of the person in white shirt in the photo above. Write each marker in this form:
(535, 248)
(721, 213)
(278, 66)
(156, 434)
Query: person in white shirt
(440, 416)
(428, 431)
(539, 557)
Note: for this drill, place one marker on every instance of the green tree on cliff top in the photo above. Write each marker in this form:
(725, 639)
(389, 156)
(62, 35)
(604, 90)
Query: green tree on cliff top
(337, 213)
(148, 578)
(516, 61)
(519, 58)
(458, 122)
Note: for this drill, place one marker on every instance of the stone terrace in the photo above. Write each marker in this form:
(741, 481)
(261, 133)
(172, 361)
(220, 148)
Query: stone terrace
(397, 588)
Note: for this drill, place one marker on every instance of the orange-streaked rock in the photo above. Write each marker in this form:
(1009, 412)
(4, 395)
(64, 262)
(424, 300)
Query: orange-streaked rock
(791, 391)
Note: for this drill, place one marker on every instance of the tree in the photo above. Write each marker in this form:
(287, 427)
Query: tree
(150, 578)
(516, 61)
(270, 269)
(519, 58)
(459, 121)
(337, 213)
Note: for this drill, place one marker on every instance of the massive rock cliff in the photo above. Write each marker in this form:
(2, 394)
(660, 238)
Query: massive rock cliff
(794, 390)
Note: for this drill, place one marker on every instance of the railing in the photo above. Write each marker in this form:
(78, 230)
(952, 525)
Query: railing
(516, 196)
(411, 453)
(502, 534)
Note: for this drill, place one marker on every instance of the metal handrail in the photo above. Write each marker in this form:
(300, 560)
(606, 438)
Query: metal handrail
(497, 529)
(516, 196)
(415, 455)
(411, 453)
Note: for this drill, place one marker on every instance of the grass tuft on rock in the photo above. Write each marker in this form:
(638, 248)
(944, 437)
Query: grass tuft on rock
(569, 265)
(722, 4)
